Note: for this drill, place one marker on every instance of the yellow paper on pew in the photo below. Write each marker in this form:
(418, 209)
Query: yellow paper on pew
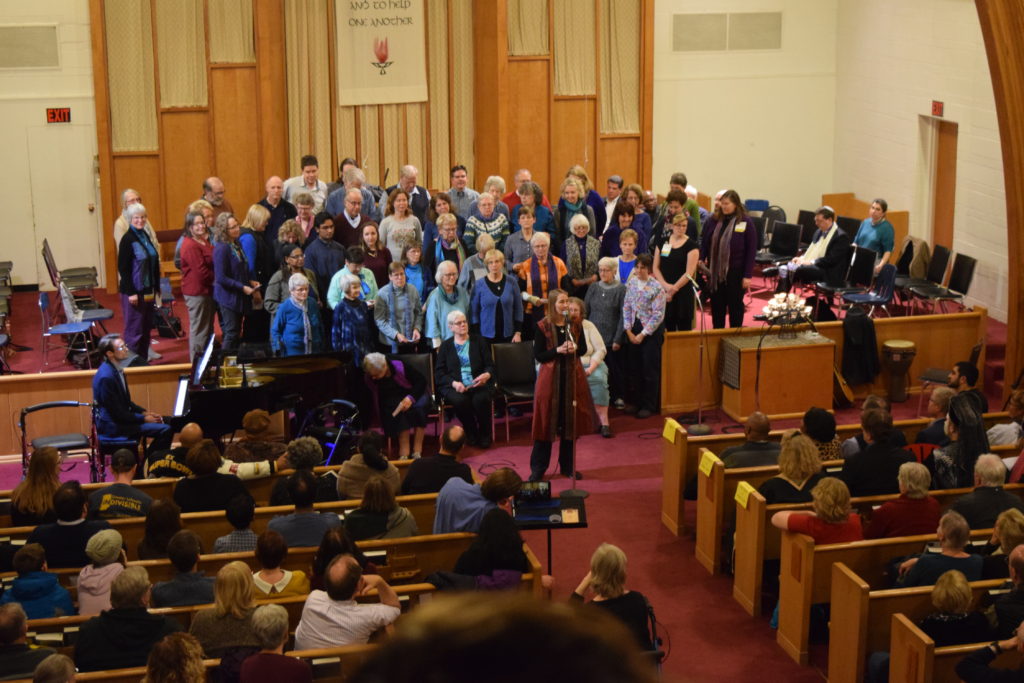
(671, 429)
(707, 461)
(743, 493)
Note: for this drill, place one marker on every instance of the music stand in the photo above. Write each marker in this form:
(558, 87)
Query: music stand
(547, 514)
(698, 428)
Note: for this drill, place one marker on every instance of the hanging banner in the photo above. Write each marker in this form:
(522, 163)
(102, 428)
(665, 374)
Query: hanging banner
(382, 51)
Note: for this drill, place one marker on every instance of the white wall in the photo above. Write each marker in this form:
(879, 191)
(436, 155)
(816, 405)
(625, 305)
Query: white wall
(24, 96)
(761, 122)
(894, 59)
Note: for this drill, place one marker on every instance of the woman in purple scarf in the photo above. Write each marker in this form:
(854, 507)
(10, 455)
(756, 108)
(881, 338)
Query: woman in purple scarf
(728, 250)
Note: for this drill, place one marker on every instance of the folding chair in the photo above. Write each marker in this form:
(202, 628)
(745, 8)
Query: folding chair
(72, 313)
(960, 277)
(79, 334)
(935, 275)
(515, 376)
(880, 295)
(77, 279)
(68, 444)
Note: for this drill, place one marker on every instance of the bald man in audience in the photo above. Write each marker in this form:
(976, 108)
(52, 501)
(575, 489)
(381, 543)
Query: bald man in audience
(513, 198)
(981, 506)
(349, 224)
(213, 192)
(172, 463)
(280, 208)
(419, 197)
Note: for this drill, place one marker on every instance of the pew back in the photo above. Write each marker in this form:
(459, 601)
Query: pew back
(915, 659)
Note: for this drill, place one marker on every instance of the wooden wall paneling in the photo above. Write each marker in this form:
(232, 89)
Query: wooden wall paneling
(140, 171)
(491, 85)
(618, 154)
(572, 134)
(1002, 22)
(109, 194)
(271, 93)
(529, 97)
(848, 204)
(186, 162)
(235, 139)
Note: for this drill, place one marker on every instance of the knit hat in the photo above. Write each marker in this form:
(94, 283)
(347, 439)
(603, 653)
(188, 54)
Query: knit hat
(104, 547)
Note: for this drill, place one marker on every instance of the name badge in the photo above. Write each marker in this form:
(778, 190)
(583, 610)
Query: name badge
(666, 250)
(742, 227)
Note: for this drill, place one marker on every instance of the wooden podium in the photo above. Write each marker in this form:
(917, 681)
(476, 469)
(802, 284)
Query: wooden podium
(795, 374)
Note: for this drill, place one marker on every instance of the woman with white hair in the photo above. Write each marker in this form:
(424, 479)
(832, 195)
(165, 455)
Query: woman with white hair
(582, 252)
(138, 268)
(473, 268)
(487, 221)
(572, 203)
(442, 300)
(399, 393)
(496, 305)
(463, 378)
(121, 225)
(270, 625)
(296, 329)
(538, 275)
(352, 329)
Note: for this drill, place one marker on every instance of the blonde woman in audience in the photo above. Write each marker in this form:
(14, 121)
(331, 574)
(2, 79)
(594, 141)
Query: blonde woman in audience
(379, 515)
(1007, 534)
(291, 233)
(475, 267)
(272, 581)
(605, 585)
(626, 260)
(178, 658)
(572, 203)
(594, 366)
(32, 498)
(400, 226)
(590, 196)
(799, 471)
(270, 623)
(831, 520)
(228, 624)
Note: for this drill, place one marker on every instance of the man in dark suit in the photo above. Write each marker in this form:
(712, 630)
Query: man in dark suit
(463, 376)
(430, 473)
(826, 259)
(116, 415)
(982, 506)
(875, 470)
(64, 540)
(419, 198)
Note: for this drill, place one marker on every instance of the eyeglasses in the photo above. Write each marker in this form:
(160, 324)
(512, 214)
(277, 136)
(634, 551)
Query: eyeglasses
(461, 321)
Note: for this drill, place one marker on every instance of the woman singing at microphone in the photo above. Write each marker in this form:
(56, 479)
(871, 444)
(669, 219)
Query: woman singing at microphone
(562, 407)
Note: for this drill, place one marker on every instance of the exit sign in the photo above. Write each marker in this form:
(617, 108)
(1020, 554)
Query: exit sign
(58, 115)
(937, 108)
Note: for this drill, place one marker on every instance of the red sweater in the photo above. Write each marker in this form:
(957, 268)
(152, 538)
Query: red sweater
(196, 268)
(824, 532)
(904, 517)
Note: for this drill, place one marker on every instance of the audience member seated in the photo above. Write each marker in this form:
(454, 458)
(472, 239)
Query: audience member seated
(18, 659)
(938, 408)
(38, 591)
(461, 506)
(429, 474)
(368, 462)
(336, 542)
(176, 658)
(304, 527)
(464, 365)
(1007, 534)
(925, 569)
(117, 416)
(122, 636)
(206, 488)
(799, 471)
(873, 471)
(981, 506)
(188, 587)
(120, 499)
(332, 617)
(228, 624)
(271, 581)
(461, 639)
(975, 667)
(65, 539)
(913, 513)
(56, 668)
(305, 453)
(953, 466)
(1009, 433)
(162, 522)
(32, 498)
(240, 512)
(605, 585)
(398, 395)
(106, 550)
(962, 379)
(955, 622)
(831, 520)
(379, 515)
(495, 559)
(174, 463)
(820, 426)
(856, 443)
(1009, 607)
(258, 443)
(756, 451)
(269, 665)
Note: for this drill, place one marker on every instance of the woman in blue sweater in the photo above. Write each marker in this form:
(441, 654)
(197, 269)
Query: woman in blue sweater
(497, 306)
(296, 330)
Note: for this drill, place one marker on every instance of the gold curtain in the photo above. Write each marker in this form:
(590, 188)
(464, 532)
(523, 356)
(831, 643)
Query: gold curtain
(575, 52)
(129, 34)
(437, 86)
(528, 27)
(307, 70)
(345, 142)
(394, 155)
(181, 53)
(462, 86)
(415, 139)
(620, 66)
(231, 34)
(369, 146)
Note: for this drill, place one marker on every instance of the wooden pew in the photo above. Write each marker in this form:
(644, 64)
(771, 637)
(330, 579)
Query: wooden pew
(716, 509)
(915, 659)
(805, 577)
(861, 619)
(680, 460)
(757, 541)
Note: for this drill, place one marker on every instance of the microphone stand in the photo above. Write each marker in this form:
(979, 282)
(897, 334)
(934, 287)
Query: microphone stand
(572, 363)
(699, 428)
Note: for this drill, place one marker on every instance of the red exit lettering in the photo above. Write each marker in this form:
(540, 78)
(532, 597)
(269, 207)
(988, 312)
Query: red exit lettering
(58, 115)
(937, 108)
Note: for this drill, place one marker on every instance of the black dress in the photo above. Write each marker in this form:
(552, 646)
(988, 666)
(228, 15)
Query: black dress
(631, 609)
(672, 263)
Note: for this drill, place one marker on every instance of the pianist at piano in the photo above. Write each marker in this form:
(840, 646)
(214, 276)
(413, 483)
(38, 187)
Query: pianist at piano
(116, 415)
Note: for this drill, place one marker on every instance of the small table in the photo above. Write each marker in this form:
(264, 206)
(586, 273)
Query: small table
(548, 514)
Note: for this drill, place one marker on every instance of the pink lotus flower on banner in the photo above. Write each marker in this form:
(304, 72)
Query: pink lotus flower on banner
(380, 50)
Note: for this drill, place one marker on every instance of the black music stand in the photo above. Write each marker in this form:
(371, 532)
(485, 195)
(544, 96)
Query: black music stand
(541, 514)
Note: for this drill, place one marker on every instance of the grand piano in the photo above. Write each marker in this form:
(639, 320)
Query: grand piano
(222, 388)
